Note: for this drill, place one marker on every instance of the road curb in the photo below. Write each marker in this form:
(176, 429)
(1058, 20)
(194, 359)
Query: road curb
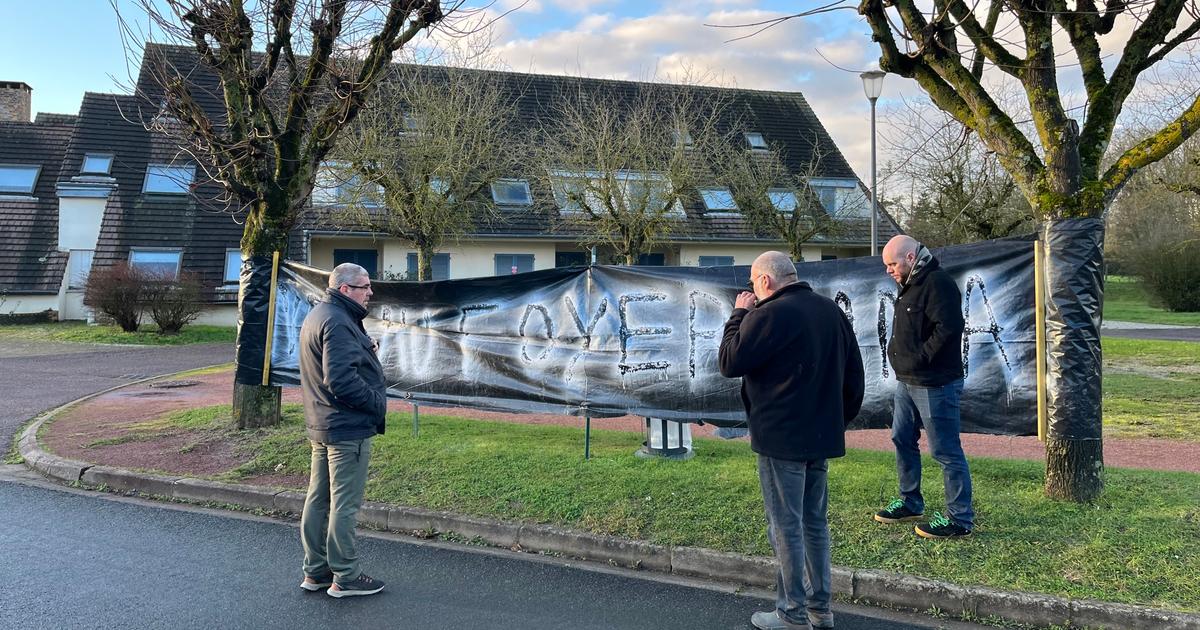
(866, 585)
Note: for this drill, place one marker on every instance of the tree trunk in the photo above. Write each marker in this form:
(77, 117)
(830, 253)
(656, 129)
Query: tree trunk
(1074, 278)
(256, 406)
(424, 263)
(1074, 469)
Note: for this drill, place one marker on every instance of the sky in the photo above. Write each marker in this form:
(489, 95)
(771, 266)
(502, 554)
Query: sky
(63, 48)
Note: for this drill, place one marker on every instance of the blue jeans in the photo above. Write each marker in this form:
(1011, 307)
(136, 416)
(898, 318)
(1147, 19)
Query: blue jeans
(796, 498)
(935, 409)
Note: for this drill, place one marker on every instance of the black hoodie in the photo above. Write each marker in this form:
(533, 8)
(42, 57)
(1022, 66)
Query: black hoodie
(927, 329)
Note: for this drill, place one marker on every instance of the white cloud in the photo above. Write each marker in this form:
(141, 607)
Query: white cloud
(676, 44)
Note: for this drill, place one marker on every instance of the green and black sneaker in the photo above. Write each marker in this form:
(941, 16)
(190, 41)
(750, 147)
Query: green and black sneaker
(897, 512)
(941, 527)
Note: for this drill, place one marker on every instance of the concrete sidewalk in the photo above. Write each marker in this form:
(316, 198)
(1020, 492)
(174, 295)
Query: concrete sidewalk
(877, 587)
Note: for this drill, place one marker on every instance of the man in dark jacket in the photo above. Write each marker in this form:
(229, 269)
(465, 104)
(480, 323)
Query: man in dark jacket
(802, 383)
(925, 351)
(344, 406)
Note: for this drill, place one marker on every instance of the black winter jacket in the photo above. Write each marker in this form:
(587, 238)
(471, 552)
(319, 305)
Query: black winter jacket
(802, 374)
(340, 377)
(927, 329)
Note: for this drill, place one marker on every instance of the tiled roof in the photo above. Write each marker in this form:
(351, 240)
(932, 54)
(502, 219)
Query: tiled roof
(29, 258)
(134, 219)
(203, 225)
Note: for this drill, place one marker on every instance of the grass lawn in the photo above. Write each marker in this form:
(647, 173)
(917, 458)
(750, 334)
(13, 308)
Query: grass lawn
(1126, 301)
(79, 332)
(1151, 389)
(1139, 544)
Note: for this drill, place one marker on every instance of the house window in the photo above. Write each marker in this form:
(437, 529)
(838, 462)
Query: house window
(366, 258)
(511, 264)
(652, 260)
(570, 259)
(18, 179)
(167, 179)
(337, 184)
(96, 164)
(828, 257)
(716, 261)
(649, 191)
(782, 200)
(682, 138)
(233, 266)
(79, 265)
(160, 263)
(829, 198)
(756, 141)
(441, 267)
(718, 200)
(412, 122)
(511, 192)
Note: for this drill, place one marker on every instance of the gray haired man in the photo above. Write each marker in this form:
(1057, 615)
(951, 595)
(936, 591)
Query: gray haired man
(345, 401)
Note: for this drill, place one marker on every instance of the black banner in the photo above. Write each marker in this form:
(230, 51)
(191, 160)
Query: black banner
(607, 341)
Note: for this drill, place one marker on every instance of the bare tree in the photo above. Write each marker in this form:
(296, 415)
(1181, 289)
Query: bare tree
(271, 116)
(948, 187)
(783, 202)
(425, 155)
(946, 46)
(622, 160)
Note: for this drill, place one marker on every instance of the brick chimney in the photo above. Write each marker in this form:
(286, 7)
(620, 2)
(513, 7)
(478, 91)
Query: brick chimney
(15, 101)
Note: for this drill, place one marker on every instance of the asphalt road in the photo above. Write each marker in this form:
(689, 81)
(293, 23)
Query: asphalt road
(41, 376)
(86, 560)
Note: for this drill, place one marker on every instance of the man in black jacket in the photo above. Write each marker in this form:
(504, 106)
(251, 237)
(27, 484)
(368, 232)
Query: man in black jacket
(802, 383)
(925, 351)
(345, 400)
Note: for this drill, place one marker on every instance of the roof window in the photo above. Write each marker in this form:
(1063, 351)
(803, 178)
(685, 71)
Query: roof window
(756, 141)
(96, 164)
(18, 179)
(167, 179)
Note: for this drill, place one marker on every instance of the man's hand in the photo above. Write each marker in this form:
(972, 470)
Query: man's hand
(745, 300)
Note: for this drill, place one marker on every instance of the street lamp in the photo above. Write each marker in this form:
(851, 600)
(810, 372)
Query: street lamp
(873, 86)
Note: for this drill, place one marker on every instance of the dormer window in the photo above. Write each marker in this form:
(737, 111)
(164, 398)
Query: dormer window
(682, 138)
(169, 180)
(96, 164)
(18, 179)
(782, 200)
(756, 141)
(511, 192)
(718, 200)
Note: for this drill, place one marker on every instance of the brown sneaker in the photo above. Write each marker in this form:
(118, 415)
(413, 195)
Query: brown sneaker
(319, 583)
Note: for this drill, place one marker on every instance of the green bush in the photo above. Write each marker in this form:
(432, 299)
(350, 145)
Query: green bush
(1172, 274)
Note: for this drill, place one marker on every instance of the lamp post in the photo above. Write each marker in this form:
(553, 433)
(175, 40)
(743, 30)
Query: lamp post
(873, 86)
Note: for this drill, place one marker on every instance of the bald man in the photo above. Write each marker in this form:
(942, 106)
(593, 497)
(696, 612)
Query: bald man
(925, 352)
(802, 383)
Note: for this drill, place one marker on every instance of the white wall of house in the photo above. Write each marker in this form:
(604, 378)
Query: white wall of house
(18, 303)
(218, 315)
(473, 260)
(79, 222)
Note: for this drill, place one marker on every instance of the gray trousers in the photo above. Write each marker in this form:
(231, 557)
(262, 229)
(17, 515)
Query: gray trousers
(796, 498)
(335, 492)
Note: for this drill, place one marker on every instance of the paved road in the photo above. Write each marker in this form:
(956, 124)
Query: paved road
(94, 561)
(40, 376)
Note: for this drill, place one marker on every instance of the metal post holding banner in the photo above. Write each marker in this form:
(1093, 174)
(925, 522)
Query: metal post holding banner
(1039, 305)
(266, 379)
(416, 420)
(587, 437)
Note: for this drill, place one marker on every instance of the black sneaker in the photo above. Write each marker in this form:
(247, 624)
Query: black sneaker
(941, 527)
(361, 585)
(897, 512)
